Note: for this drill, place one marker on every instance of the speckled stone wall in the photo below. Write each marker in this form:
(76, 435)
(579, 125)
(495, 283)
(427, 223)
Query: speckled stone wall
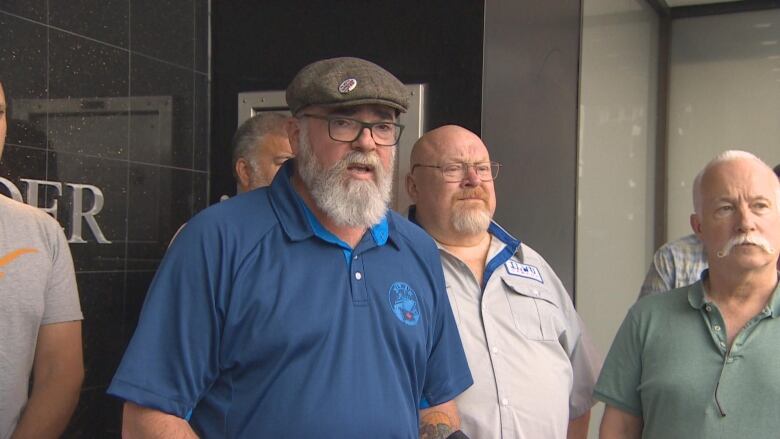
(108, 101)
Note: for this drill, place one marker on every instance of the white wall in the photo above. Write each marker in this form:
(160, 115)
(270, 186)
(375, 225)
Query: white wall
(724, 94)
(616, 159)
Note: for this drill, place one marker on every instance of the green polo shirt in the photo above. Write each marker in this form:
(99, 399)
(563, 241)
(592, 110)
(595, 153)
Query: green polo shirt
(669, 364)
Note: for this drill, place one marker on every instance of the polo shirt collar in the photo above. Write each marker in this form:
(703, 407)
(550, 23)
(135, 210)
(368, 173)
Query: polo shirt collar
(379, 232)
(299, 222)
(697, 298)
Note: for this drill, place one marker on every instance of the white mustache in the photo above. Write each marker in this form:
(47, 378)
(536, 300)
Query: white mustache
(754, 239)
(359, 158)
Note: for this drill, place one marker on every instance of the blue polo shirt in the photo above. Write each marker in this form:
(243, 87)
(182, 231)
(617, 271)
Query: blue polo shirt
(260, 325)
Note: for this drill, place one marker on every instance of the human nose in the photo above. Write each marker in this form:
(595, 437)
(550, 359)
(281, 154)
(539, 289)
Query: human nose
(365, 140)
(745, 219)
(470, 177)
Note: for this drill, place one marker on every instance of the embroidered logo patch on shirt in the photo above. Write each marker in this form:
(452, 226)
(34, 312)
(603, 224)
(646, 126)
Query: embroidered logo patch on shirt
(403, 303)
(523, 270)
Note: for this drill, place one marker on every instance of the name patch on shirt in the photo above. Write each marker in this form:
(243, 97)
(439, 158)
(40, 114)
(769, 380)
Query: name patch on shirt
(523, 270)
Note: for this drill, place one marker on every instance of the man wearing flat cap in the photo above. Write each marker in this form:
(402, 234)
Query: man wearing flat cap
(306, 309)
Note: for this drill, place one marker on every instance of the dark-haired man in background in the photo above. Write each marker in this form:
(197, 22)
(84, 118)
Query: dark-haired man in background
(259, 148)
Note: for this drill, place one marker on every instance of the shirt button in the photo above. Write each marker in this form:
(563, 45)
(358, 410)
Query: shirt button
(495, 350)
(730, 360)
(723, 345)
(535, 292)
(504, 401)
(716, 328)
(708, 308)
(358, 276)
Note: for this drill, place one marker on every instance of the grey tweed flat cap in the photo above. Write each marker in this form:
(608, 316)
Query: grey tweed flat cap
(342, 82)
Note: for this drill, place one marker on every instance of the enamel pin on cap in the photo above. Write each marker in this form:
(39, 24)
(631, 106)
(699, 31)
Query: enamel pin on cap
(347, 85)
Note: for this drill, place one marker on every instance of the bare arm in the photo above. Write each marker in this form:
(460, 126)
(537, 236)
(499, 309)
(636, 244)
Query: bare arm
(578, 427)
(58, 370)
(439, 421)
(145, 423)
(617, 424)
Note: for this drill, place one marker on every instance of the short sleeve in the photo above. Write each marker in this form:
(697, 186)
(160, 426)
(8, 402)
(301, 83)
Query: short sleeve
(62, 296)
(586, 363)
(583, 356)
(447, 373)
(618, 384)
(173, 357)
(658, 278)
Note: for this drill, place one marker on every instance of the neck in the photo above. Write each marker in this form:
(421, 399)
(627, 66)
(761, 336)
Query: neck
(728, 285)
(472, 250)
(350, 235)
(465, 243)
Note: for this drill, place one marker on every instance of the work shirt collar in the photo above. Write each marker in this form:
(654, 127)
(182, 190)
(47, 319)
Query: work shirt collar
(512, 245)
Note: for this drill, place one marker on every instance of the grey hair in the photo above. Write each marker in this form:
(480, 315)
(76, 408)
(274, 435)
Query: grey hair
(251, 133)
(725, 156)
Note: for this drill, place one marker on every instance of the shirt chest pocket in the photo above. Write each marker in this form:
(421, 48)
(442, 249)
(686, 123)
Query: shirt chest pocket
(534, 312)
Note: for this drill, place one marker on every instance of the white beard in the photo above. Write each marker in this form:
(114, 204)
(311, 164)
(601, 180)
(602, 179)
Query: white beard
(349, 203)
(470, 220)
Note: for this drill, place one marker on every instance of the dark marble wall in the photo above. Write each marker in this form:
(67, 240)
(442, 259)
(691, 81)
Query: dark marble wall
(112, 94)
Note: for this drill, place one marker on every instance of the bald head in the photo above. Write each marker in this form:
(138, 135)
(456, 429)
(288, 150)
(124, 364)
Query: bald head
(737, 199)
(717, 162)
(458, 206)
(438, 142)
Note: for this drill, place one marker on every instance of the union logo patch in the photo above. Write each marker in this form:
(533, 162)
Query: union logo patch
(403, 303)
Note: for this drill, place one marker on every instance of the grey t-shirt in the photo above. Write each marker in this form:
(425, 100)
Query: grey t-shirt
(37, 287)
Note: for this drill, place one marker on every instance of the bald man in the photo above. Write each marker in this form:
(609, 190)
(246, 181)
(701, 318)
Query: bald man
(701, 361)
(533, 371)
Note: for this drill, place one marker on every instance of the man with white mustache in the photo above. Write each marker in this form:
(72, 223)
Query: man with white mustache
(533, 367)
(702, 361)
(305, 309)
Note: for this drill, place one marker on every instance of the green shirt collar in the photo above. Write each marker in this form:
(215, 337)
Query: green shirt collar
(698, 300)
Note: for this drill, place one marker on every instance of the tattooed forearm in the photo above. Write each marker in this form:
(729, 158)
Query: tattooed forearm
(435, 425)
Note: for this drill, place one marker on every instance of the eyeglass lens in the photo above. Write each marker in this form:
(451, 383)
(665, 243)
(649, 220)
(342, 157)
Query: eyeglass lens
(348, 130)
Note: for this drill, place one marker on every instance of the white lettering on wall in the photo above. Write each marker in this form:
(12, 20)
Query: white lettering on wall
(78, 214)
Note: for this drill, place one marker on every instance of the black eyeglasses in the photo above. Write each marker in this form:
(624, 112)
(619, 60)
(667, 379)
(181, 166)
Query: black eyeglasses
(457, 172)
(345, 129)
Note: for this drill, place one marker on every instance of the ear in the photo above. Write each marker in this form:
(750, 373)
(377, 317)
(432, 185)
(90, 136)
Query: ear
(293, 131)
(243, 172)
(696, 224)
(411, 187)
